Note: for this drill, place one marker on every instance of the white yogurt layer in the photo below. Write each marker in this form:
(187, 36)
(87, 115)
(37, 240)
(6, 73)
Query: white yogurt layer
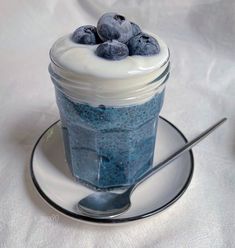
(85, 77)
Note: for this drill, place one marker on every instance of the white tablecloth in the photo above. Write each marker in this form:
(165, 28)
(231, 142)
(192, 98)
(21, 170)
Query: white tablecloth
(201, 36)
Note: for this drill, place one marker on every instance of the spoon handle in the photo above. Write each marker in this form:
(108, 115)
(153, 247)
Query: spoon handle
(176, 154)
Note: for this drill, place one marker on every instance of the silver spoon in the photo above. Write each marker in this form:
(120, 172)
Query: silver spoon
(110, 204)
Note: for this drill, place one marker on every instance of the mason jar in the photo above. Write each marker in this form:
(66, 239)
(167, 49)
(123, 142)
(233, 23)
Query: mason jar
(109, 126)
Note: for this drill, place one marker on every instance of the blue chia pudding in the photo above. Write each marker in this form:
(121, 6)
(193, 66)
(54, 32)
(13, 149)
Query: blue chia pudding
(108, 146)
(110, 83)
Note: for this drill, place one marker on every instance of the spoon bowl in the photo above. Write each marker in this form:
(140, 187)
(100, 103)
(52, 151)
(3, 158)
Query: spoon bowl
(101, 204)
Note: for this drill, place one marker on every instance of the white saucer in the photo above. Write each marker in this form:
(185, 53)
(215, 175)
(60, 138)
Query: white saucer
(53, 181)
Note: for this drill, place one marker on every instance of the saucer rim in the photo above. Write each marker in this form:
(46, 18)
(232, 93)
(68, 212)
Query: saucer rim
(79, 217)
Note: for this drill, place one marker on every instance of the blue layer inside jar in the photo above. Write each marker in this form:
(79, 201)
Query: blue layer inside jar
(109, 147)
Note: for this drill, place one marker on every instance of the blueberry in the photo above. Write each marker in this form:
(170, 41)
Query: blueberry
(86, 35)
(112, 50)
(112, 26)
(135, 29)
(143, 44)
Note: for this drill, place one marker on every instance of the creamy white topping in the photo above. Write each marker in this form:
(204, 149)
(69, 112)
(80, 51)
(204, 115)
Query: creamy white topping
(85, 77)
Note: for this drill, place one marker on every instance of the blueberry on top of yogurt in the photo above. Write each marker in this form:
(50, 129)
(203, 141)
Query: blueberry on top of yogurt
(112, 26)
(143, 44)
(113, 50)
(86, 35)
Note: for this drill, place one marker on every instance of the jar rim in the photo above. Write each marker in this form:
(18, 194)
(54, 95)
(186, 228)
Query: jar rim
(81, 91)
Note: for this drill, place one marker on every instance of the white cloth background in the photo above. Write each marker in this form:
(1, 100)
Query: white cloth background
(201, 89)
